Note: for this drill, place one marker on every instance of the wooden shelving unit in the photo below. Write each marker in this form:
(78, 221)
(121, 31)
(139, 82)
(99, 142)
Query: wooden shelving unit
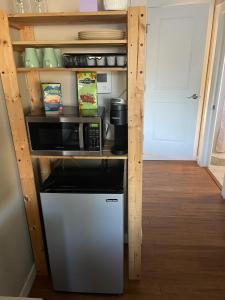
(135, 21)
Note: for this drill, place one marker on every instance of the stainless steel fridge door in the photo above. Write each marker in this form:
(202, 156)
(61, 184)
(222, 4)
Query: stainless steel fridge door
(85, 240)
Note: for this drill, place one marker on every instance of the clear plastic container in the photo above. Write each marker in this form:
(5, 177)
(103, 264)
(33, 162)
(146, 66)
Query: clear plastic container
(39, 6)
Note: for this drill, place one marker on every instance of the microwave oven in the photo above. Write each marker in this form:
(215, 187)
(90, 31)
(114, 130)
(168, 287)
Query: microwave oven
(72, 132)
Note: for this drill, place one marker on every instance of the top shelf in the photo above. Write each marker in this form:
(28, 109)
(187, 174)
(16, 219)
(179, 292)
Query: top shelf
(100, 17)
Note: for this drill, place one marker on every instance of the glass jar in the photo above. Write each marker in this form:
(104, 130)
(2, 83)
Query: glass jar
(22, 6)
(39, 6)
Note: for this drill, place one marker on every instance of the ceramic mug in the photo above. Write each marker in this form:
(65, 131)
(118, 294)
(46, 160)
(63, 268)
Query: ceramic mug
(49, 60)
(31, 58)
(39, 52)
(58, 54)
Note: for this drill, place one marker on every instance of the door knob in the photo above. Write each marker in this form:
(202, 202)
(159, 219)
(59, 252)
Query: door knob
(194, 96)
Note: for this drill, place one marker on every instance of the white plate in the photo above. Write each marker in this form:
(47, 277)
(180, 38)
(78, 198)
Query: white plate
(101, 34)
(101, 38)
(103, 30)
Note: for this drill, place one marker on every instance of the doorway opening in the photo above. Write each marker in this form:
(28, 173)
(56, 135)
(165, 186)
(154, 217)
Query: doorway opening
(217, 158)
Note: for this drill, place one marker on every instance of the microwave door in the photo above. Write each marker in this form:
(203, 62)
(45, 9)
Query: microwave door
(54, 136)
(70, 136)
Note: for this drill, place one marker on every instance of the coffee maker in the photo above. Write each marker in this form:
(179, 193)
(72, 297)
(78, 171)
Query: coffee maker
(118, 118)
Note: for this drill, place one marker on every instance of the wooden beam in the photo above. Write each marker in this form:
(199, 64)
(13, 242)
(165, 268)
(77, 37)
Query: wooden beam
(136, 66)
(18, 128)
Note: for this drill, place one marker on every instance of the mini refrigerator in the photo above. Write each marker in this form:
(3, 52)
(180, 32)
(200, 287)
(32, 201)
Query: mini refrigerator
(83, 214)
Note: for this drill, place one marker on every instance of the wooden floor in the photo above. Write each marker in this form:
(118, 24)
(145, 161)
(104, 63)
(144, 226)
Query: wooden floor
(183, 238)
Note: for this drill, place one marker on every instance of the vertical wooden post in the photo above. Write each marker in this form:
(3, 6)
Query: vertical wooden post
(33, 84)
(136, 67)
(18, 128)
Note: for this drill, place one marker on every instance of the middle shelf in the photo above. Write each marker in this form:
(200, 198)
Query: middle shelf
(91, 69)
(21, 45)
(107, 154)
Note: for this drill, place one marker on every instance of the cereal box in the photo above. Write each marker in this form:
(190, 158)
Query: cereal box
(52, 97)
(87, 90)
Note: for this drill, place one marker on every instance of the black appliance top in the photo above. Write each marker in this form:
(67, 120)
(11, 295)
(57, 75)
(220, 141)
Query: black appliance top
(85, 180)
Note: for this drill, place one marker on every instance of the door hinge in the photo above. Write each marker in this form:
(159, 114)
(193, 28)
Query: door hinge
(214, 107)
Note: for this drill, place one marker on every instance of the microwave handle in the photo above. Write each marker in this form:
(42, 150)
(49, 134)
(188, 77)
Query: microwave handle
(81, 135)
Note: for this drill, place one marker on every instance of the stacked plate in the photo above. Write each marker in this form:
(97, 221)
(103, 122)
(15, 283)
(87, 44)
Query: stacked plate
(103, 34)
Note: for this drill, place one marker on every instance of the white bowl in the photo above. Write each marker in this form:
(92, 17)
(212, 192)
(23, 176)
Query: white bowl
(115, 4)
(111, 60)
(91, 61)
(121, 60)
(100, 61)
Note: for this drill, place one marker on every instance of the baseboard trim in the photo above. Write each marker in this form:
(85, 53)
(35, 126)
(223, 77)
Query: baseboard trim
(214, 178)
(29, 282)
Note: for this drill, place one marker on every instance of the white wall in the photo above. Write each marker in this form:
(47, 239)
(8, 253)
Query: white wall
(16, 259)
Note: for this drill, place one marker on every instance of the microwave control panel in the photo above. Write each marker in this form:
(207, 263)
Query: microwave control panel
(92, 137)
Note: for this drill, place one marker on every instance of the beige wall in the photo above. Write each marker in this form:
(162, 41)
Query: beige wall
(16, 258)
(15, 251)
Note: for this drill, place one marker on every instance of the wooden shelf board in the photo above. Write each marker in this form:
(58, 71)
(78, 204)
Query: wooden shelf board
(107, 154)
(20, 20)
(104, 156)
(20, 45)
(93, 69)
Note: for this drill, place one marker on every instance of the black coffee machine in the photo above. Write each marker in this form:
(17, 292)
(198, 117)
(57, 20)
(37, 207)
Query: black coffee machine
(118, 117)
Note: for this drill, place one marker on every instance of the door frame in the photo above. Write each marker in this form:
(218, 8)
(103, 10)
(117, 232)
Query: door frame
(203, 85)
(209, 114)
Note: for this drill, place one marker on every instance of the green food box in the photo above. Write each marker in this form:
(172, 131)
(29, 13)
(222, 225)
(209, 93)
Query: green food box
(87, 90)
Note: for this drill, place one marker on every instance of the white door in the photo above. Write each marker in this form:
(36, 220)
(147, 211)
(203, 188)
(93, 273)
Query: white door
(175, 54)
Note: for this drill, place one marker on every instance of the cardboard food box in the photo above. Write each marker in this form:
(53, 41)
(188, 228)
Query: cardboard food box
(52, 97)
(87, 90)
(88, 5)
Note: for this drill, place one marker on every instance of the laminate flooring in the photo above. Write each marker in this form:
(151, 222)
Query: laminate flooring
(183, 255)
